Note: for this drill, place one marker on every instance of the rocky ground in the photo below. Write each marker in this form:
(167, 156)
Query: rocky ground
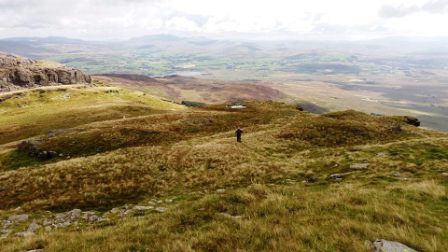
(22, 224)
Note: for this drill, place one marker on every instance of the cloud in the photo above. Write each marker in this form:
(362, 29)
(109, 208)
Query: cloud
(434, 6)
(121, 19)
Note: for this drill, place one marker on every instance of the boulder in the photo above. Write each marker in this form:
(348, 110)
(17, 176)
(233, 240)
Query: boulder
(412, 121)
(381, 245)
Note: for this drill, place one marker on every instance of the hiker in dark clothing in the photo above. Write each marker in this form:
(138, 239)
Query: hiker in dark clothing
(238, 134)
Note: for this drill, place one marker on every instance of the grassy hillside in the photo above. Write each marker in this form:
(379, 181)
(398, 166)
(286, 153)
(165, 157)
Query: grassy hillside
(29, 113)
(298, 181)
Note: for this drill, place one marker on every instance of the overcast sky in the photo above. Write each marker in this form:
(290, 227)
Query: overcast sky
(262, 19)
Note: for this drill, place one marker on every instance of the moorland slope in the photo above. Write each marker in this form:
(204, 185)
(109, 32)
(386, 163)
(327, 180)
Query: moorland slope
(136, 173)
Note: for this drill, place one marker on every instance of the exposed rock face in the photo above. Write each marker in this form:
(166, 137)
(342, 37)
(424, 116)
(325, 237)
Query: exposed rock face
(17, 72)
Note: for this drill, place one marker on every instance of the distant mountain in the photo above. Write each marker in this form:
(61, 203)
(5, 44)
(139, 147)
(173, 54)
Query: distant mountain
(51, 40)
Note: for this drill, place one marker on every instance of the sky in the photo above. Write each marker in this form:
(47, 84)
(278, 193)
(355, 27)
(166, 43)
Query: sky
(250, 19)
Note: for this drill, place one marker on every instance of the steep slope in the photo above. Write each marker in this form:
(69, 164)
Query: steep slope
(17, 72)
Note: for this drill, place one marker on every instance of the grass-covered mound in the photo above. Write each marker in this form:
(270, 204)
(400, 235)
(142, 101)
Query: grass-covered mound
(346, 128)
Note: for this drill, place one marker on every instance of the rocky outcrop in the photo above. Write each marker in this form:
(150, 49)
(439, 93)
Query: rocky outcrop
(30, 149)
(412, 121)
(17, 72)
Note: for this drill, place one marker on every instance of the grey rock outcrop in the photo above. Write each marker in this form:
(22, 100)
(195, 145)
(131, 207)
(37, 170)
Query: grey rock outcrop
(17, 72)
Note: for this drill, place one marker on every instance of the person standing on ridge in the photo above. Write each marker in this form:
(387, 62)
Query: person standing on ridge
(238, 134)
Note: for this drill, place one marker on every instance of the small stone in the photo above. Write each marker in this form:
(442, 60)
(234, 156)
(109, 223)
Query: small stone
(129, 212)
(116, 210)
(101, 219)
(338, 176)
(161, 209)
(25, 234)
(36, 250)
(233, 217)
(63, 224)
(221, 191)
(143, 208)
(18, 218)
(359, 166)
